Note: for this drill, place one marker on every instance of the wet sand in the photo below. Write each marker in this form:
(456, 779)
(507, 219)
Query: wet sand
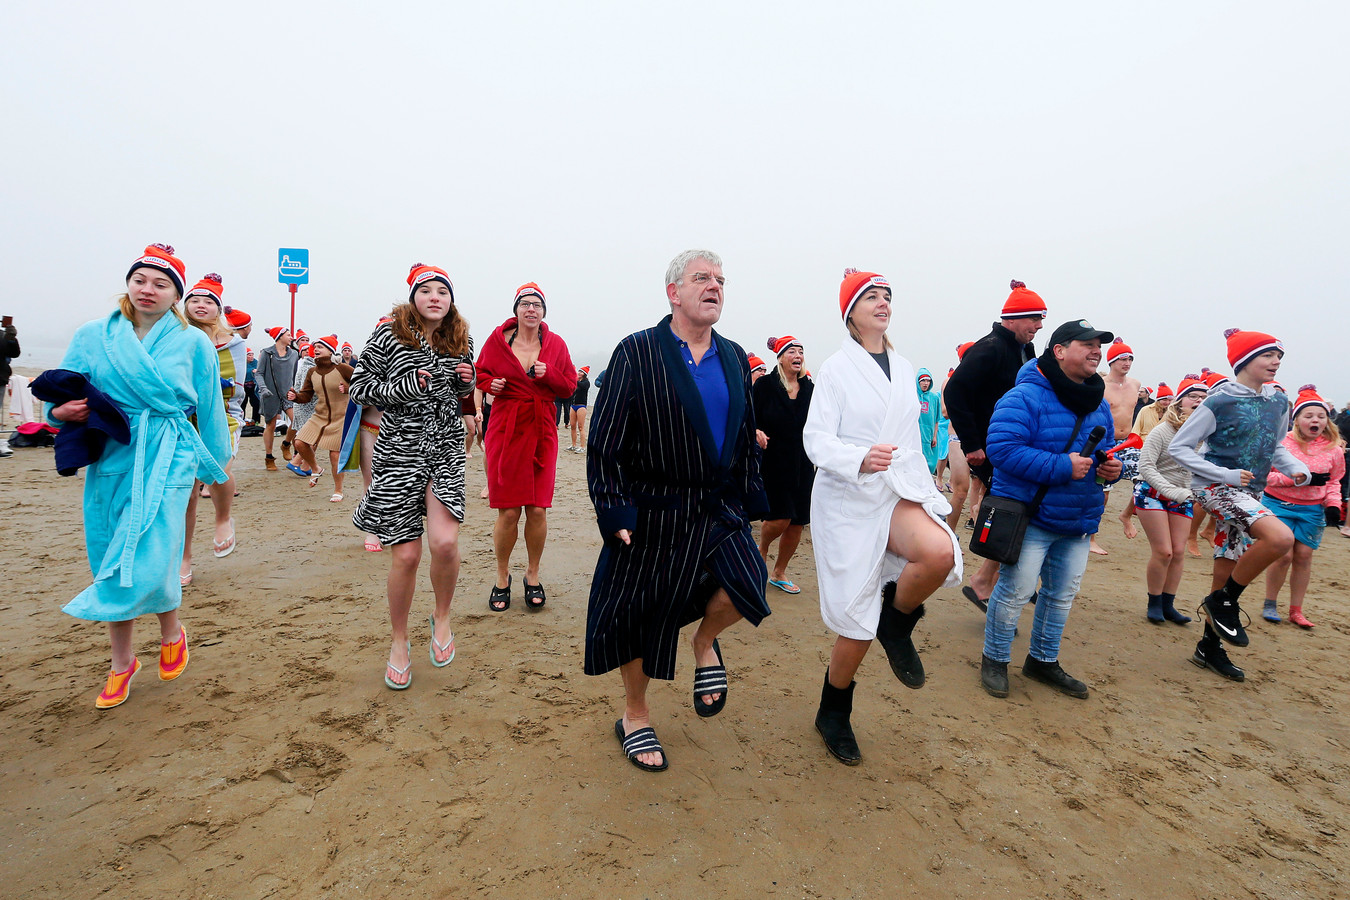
(280, 765)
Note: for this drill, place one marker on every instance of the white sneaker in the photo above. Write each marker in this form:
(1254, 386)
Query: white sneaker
(4, 449)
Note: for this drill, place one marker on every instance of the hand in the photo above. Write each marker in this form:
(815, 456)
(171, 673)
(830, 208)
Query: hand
(538, 369)
(74, 411)
(290, 395)
(342, 388)
(1111, 469)
(624, 535)
(762, 439)
(878, 458)
(977, 458)
(1081, 465)
(933, 442)
(478, 416)
(424, 378)
(464, 371)
(1245, 478)
(498, 385)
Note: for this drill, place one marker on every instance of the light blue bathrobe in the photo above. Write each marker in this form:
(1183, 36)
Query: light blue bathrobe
(136, 496)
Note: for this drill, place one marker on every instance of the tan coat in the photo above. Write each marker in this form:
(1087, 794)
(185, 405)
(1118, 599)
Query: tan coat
(324, 385)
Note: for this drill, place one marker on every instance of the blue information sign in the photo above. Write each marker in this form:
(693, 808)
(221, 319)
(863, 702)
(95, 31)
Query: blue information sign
(292, 266)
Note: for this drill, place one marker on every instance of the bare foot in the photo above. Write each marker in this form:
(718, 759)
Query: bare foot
(1193, 548)
(483, 496)
(702, 659)
(398, 659)
(635, 723)
(1130, 531)
(1094, 547)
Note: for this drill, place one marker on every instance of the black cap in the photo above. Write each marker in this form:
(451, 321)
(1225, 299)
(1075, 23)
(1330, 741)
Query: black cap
(1079, 330)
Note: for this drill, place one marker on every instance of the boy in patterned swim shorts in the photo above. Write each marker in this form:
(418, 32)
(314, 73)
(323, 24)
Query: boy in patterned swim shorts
(1241, 425)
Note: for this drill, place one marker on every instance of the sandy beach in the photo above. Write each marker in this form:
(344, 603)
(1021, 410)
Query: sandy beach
(279, 765)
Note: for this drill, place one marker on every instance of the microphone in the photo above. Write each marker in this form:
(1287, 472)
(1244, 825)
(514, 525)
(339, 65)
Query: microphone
(1094, 438)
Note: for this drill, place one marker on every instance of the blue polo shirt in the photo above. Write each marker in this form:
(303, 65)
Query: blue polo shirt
(711, 382)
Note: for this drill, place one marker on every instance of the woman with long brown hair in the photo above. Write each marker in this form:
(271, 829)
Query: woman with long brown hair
(416, 367)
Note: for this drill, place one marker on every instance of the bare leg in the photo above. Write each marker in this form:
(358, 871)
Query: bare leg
(960, 488)
(1193, 539)
(268, 431)
(720, 614)
(504, 535)
(443, 537)
(306, 454)
(1276, 574)
(770, 531)
(185, 568)
(402, 581)
(636, 715)
(1272, 539)
(1159, 534)
(1126, 519)
(222, 498)
(536, 532)
(1298, 583)
(1180, 528)
(923, 542)
(845, 658)
(787, 546)
(333, 467)
(119, 633)
(581, 428)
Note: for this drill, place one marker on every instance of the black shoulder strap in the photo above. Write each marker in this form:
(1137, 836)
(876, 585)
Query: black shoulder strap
(1041, 491)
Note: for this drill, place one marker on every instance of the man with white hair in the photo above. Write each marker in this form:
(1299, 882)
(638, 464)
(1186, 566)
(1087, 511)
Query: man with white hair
(673, 471)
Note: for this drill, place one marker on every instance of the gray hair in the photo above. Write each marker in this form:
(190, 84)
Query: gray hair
(675, 271)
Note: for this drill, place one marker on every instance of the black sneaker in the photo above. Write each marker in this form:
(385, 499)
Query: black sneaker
(1050, 673)
(1226, 615)
(1215, 658)
(994, 676)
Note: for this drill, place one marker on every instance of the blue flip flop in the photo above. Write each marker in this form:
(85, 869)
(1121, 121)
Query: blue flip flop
(786, 586)
(297, 470)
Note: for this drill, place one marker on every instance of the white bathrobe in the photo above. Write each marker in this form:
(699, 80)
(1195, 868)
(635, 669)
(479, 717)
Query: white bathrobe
(854, 407)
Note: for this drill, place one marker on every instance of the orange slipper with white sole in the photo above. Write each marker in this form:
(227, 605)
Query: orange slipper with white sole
(118, 688)
(173, 658)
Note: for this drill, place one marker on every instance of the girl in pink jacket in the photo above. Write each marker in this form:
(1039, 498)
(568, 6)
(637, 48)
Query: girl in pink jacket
(1307, 508)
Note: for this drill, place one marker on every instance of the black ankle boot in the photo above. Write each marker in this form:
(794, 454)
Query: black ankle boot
(1053, 674)
(1169, 610)
(894, 631)
(994, 676)
(836, 704)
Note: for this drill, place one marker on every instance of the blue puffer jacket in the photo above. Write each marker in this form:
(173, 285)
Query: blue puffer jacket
(1027, 435)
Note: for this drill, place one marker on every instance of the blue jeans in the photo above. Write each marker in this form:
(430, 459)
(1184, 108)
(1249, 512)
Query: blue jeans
(1055, 560)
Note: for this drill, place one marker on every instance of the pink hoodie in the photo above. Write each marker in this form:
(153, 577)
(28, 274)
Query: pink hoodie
(1324, 458)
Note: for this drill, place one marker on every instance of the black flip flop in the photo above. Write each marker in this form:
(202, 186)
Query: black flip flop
(502, 596)
(641, 741)
(534, 597)
(710, 680)
(969, 593)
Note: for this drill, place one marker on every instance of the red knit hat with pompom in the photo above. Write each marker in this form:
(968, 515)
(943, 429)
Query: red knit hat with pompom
(1308, 396)
(209, 286)
(160, 256)
(1244, 346)
(419, 274)
(526, 290)
(1212, 379)
(276, 331)
(755, 362)
(779, 345)
(1192, 383)
(854, 285)
(962, 348)
(1118, 349)
(1164, 390)
(1023, 303)
(330, 341)
(237, 318)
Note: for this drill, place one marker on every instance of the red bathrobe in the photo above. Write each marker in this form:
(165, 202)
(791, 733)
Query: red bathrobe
(522, 436)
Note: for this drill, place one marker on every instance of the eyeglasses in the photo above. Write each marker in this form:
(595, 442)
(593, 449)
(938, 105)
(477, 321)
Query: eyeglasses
(531, 304)
(704, 278)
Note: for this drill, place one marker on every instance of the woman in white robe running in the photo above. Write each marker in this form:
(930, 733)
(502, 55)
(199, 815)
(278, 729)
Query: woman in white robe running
(882, 546)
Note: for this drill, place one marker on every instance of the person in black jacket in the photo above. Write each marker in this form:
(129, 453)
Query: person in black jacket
(9, 348)
(985, 373)
(782, 400)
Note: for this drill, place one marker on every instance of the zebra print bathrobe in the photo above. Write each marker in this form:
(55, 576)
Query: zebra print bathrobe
(421, 436)
(653, 468)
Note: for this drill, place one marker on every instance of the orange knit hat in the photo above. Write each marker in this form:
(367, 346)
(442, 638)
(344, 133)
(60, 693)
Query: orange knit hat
(160, 256)
(276, 332)
(1308, 396)
(755, 362)
(962, 348)
(526, 290)
(854, 285)
(1118, 349)
(1023, 303)
(420, 273)
(1164, 390)
(237, 318)
(1212, 379)
(209, 286)
(1244, 346)
(1190, 384)
(779, 345)
(330, 341)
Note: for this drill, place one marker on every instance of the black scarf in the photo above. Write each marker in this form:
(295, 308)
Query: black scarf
(1081, 399)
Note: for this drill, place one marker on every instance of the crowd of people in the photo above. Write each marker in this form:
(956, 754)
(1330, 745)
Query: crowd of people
(691, 442)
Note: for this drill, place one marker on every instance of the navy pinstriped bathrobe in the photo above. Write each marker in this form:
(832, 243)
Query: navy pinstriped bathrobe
(653, 467)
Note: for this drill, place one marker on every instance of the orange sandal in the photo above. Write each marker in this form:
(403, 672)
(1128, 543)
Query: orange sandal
(173, 658)
(118, 688)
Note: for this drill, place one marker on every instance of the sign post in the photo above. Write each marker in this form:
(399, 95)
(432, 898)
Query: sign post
(292, 271)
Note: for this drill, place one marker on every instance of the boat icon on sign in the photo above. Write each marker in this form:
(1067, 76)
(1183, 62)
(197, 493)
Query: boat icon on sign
(290, 268)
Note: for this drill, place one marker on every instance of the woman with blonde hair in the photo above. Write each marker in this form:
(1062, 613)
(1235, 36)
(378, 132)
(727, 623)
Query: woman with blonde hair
(1164, 503)
(158, 371)
(782, 402)
(416, 367)
(205, 310)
